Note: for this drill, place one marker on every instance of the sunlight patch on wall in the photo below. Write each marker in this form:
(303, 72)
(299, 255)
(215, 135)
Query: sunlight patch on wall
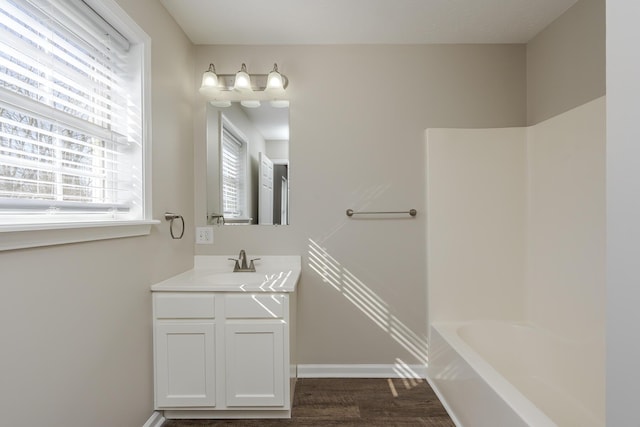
(369, 303)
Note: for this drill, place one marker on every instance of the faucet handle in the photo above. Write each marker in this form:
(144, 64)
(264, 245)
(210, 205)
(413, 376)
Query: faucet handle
(251, 265)
(236, 267)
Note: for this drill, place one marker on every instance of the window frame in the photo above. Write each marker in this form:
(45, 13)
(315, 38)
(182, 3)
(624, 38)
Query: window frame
(26, 235)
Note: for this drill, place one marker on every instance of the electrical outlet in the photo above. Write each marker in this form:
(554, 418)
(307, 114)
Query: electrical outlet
(204, 235)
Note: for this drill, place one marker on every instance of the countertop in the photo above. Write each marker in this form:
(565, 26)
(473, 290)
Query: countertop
(215, 274)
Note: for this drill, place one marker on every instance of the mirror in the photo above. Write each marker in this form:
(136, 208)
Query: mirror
(247, 165)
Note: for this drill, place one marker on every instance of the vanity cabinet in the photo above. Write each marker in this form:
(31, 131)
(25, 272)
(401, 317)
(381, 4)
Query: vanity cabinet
(223, 354)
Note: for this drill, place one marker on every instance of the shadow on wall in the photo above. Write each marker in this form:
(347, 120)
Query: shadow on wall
(369, 303)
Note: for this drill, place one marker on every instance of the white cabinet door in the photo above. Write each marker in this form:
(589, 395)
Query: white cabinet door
(255, 364)
(185, 364)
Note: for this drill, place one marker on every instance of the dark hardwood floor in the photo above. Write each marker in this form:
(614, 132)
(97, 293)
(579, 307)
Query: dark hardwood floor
(352, 402)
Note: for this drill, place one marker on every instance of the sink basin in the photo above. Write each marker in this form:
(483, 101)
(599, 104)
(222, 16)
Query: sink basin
(214, 273)
(244, 278)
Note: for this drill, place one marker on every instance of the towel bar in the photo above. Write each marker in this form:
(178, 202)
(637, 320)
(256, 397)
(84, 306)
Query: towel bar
(351, 212)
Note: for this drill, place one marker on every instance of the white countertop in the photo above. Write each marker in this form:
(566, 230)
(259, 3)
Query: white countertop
(215, 273)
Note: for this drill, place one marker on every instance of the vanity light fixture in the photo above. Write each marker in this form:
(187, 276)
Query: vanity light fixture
(269, 87)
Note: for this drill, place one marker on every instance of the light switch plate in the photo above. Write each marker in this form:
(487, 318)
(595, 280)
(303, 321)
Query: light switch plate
(204, 235)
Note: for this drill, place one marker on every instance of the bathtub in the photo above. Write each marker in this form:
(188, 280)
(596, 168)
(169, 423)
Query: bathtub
(500, 374)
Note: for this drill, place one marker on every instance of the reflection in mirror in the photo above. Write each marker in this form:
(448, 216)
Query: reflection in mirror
(247, 165)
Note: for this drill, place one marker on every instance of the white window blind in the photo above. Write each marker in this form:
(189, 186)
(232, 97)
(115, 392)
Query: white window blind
(233, 160)
(70, 115)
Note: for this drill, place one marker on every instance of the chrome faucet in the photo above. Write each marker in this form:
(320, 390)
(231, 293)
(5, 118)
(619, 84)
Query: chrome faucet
(241, 263)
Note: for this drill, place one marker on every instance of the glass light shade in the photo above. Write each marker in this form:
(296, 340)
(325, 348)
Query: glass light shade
(209, 79)
(243, 81)
(274, 81)
(250, 103)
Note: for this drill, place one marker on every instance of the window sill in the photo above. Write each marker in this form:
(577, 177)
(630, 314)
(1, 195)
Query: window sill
(22, 236)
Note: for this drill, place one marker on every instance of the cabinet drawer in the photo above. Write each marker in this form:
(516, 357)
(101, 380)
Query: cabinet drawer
(184, 305)
(262, 306)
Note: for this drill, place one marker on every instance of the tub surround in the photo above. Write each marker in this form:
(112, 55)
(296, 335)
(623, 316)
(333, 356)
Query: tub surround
(224, 342)
(528, 247)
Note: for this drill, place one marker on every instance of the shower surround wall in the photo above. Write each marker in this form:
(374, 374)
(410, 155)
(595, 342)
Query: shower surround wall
(516, 231)
(475, 223)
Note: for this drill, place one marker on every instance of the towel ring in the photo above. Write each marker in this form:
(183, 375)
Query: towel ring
(170, 217)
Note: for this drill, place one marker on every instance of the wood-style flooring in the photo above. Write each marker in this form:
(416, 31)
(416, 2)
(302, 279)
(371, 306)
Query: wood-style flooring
(352, 402)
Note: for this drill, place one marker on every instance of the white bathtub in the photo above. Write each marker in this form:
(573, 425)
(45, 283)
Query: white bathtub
(499, 374)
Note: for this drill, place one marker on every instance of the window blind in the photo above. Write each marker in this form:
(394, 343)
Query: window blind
(233, 175)
(70, 115)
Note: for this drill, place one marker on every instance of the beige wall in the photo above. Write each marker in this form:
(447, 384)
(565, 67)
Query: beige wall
(75, 320)
(623, 211)
(358, 115)
(566, 62)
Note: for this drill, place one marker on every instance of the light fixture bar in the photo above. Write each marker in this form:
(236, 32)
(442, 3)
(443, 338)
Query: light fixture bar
(226, 82)
(259, 82)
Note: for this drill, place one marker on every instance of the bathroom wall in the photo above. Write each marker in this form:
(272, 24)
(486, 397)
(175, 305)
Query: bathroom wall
(475, 237)
(358, 115)
(75, 320)
(566, 62)
(623, 211)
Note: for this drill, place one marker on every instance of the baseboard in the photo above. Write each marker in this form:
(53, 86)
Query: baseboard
(155, 420)
(362, 371)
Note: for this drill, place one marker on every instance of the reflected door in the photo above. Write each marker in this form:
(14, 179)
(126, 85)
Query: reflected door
(284, 201)
(265, 198)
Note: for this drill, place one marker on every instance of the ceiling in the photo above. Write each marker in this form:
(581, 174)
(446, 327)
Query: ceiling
(265, 22)
(272, 123)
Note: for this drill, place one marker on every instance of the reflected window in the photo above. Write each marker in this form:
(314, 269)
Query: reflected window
(233, 165)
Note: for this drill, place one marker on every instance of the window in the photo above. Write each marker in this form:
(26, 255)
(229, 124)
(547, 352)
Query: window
(72, 114)
(233, 160)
